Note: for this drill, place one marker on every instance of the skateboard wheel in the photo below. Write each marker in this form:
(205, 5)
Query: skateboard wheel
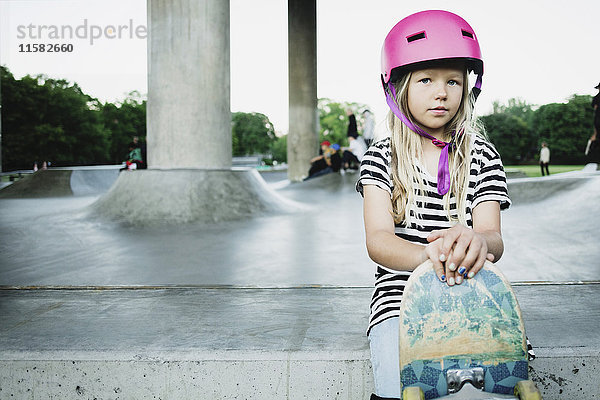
(413, 393)
(526, 390)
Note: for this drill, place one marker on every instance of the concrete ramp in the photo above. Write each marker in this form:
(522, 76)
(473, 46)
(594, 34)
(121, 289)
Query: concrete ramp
(159, 197)
(43, 183)
(85, 182)
(531, 190)
(61, 182)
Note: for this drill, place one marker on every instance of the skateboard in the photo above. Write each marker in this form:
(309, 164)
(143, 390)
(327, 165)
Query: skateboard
(470, 334)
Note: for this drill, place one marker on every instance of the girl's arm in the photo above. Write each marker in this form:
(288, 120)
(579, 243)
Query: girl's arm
(383, 246)
(486, 221)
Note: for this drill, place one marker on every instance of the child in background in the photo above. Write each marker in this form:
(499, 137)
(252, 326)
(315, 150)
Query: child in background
(134, 158)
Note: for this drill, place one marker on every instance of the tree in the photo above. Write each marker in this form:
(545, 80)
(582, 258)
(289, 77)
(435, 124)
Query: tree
(124, 121)
(251, 133)
(566, 128)
(517, 129)
(510, 135)
(49, 120)
(279, 149)
(503, 131)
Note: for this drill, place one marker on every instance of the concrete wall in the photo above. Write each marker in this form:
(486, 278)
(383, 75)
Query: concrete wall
(189, 119)
(260, 376)
(235, 375)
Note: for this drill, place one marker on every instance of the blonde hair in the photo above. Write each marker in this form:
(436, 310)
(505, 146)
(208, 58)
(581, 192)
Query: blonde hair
(406, 148)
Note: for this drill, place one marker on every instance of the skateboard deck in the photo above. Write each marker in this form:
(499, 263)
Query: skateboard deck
(475, 326)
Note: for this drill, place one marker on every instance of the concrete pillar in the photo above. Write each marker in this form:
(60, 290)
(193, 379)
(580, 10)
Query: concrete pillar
(190, 178)
(302, 53)
(189, 117)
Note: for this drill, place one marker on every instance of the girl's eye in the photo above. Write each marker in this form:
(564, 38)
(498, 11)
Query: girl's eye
(425, 80)
(452, 82)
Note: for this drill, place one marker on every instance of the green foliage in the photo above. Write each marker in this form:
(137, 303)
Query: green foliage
(333, 120)
(566, 128)
(46, 119)
(279, 149)
(517, 130)
(509, 134)
(123, 122)
(49, 120)
(251, 133)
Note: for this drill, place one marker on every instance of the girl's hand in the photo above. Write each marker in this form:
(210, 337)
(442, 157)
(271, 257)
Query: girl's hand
(432, 252)
(462, 251)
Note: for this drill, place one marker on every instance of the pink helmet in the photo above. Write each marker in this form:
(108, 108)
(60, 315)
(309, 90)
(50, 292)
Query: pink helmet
(427, 36)
(420, 38)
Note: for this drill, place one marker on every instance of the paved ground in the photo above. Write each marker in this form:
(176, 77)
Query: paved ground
(53, 241)
(284, 287)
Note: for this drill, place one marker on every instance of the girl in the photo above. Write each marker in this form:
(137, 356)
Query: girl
(434, 188)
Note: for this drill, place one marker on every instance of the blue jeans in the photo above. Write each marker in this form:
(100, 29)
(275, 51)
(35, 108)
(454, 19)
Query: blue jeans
(383, 340)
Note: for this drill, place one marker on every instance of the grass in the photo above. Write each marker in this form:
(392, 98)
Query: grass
(535, 171)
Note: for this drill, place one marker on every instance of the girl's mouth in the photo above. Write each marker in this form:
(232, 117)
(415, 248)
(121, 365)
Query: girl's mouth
(439, 110)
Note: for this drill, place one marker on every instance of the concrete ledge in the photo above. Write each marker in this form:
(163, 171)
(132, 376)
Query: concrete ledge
(251, 343)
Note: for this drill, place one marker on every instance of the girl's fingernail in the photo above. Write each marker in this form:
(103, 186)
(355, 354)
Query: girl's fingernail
(451, 281)
(458, 280)
(471, 274)
(443, 278)
(452, 267)
(462, 270)
(442, 258)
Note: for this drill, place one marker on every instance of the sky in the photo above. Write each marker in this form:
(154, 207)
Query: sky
(539, 51)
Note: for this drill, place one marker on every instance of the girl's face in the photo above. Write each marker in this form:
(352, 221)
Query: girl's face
(434, 97)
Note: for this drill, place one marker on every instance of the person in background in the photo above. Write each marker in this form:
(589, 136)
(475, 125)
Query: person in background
(352, 127)
(368, 127)
(592, 149)
(142, 146)
(353, 154)
(134, 158)
(545, 159)
(596, 106)
(336, 159)
(321, 164)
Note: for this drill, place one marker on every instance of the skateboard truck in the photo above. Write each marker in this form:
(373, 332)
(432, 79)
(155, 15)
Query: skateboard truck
(456, 378)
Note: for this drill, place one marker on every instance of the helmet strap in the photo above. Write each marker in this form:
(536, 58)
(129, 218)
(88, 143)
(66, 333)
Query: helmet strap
(443, 174)
(477, 88)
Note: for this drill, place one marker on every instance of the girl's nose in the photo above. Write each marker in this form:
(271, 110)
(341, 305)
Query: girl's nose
(441, 92)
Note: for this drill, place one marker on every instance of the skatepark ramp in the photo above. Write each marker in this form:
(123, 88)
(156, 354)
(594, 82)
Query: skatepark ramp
(531, 190)
(274, 307)
(61, 182)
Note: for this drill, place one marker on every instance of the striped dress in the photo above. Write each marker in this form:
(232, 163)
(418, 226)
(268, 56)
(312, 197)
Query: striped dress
(487, 182)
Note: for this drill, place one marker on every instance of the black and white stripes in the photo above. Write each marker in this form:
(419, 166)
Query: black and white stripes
(487, 182)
